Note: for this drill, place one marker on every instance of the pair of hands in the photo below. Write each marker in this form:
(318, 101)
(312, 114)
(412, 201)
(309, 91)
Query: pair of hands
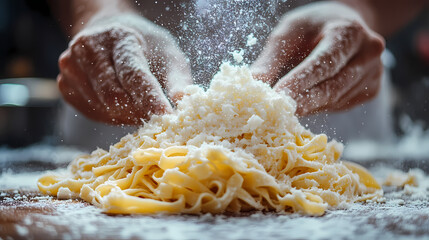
(323, 54)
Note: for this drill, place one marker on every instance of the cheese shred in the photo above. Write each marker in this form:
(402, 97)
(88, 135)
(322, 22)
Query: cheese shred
(236, 147)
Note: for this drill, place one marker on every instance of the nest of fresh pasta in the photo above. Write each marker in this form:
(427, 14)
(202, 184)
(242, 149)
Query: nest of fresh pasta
(235, 147)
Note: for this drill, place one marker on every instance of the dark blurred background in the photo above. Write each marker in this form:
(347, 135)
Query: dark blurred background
(31, 41)
(410, 73)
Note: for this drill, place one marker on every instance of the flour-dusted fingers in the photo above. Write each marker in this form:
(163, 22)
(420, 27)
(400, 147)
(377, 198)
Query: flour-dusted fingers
(365, 90)
(93, 52)
(134, 75)
(339, 42)
(75, 76)
(76, 89)
(129, 65)
(285, 48)
(327, 94)
(90, 107)
(338, 48)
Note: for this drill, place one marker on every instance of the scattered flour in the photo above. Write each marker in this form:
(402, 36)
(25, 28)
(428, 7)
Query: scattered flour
(22, 231)
(25, 180)
(236, 147)
(251, 40)
(404, 215)
(400, 179)
(238, 55)
(413, 145)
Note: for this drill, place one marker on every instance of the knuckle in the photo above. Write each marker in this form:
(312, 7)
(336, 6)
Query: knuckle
(64, 59)
(117, 32)
(60, 83)
(79, 39)
(128, 44)
(130, 76)
(355, 25)
(378, 44)
(349, 29)
(79, 46)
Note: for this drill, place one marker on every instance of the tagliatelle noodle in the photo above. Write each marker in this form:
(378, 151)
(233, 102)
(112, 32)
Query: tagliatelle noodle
(235, 147)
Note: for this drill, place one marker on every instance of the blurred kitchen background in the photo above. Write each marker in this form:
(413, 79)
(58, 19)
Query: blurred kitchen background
(31, 41)
(31, 108)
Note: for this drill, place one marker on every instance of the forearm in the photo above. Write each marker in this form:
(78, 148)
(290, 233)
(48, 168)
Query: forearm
(75, 14)
(386, 16)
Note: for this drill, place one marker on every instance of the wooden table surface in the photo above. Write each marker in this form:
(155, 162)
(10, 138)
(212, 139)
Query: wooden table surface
(30, 215)
(26, 214)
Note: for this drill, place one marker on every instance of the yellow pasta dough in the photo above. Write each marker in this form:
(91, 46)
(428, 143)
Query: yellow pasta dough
(235, 147)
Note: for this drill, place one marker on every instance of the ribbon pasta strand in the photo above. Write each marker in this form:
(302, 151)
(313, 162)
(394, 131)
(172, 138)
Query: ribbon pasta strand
(235, 147)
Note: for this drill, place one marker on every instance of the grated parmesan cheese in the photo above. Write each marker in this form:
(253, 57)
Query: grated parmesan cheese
(235, 147)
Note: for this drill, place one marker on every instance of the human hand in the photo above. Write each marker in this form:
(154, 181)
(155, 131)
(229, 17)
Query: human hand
(116, 68)
(325, 56)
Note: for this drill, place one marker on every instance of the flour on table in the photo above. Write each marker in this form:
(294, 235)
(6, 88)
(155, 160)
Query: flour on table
(236, 147)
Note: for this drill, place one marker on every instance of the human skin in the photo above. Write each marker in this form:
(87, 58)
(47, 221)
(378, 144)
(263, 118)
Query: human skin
(326, 55)
(121, 69)
(119, 64)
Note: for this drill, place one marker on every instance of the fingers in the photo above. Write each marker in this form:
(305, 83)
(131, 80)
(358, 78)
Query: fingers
(111, 79)
(106, 74)
(341, 61)
(285, 48)
(340, 41)
(89, 108)
(359, 80)
(75, 77)
(341, 64)
(363, 91)
(76, 90)
(93, 55)
(96, 79)
(134, 75)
